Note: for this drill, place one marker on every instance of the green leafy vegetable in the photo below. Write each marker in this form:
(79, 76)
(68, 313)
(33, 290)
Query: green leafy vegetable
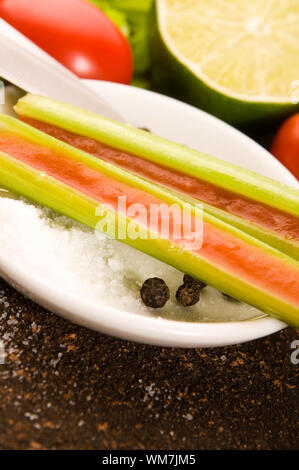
(131, 17)
(118, 17)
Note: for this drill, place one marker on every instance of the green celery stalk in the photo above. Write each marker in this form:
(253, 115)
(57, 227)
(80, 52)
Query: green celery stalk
(120, 136)
(43, 189)
(161, 151)
(288, 246)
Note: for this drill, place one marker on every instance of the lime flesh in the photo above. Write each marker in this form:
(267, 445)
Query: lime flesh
(245, 53)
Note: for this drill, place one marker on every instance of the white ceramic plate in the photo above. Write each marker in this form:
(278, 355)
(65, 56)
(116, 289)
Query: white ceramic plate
(187, 125)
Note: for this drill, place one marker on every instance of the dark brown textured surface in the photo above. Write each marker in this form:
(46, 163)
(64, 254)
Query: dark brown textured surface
(65, 387)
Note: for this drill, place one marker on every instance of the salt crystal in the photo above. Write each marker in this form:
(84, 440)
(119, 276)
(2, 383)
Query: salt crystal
(94, 267)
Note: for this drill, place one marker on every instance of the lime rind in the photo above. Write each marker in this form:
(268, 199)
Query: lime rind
(174, 75)
(246, 50)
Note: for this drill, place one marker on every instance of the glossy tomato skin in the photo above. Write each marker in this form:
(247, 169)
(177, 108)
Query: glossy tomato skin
(285, 146)
(76, 33)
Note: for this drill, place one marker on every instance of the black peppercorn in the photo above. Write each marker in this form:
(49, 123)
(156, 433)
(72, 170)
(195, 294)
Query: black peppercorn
(188, 295)
(188, 280)
(154, 292)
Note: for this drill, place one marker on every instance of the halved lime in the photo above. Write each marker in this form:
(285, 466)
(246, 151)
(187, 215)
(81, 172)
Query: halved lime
(236, 59)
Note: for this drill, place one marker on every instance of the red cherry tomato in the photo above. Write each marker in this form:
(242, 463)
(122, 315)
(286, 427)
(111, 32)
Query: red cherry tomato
(285, 146)
(76, 33)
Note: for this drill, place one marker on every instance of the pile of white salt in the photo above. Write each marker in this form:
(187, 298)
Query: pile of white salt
(93, 266)
(97, 268)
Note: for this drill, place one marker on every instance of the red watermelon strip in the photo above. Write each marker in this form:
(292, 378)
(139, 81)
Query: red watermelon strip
(257, 205)
(73, 182)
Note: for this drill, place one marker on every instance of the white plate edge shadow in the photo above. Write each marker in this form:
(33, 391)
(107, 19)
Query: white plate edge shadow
(129, 325)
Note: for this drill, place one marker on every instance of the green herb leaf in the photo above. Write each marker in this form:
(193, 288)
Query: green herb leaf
(132, 18)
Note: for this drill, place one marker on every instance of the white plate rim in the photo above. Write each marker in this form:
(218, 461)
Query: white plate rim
(129, 325)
